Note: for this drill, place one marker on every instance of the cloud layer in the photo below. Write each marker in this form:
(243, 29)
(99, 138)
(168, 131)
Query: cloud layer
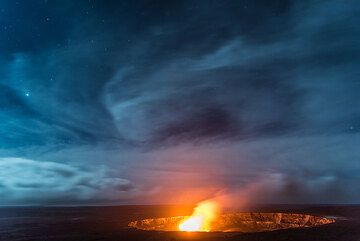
(34, 182)
(176, 102)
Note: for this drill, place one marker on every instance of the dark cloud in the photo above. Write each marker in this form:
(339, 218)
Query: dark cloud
(233, 92)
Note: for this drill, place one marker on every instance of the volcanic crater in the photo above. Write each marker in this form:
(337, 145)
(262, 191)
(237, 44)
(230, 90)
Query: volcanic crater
(238, 222)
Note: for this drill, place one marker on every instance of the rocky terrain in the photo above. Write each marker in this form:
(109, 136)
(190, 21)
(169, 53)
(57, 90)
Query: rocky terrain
(239, 222)
(111, 223)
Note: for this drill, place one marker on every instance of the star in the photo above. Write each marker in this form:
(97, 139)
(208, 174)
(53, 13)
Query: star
(27, 94)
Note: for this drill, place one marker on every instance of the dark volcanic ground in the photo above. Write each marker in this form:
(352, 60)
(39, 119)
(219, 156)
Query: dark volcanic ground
(110, 223)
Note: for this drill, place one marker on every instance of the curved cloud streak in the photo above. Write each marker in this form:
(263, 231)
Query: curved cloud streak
(176, 102)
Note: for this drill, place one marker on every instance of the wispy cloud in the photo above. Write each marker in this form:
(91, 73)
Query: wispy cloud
(37, 182)
(184, 101)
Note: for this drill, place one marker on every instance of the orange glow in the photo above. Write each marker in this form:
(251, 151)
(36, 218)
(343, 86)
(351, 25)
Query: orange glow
(202, 217)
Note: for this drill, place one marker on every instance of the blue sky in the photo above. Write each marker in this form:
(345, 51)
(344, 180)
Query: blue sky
(178, 101)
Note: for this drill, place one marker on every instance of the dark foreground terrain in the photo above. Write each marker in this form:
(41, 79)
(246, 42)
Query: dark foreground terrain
(110, 223)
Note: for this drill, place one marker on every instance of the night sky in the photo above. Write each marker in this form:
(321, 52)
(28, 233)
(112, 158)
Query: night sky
(158, 101)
